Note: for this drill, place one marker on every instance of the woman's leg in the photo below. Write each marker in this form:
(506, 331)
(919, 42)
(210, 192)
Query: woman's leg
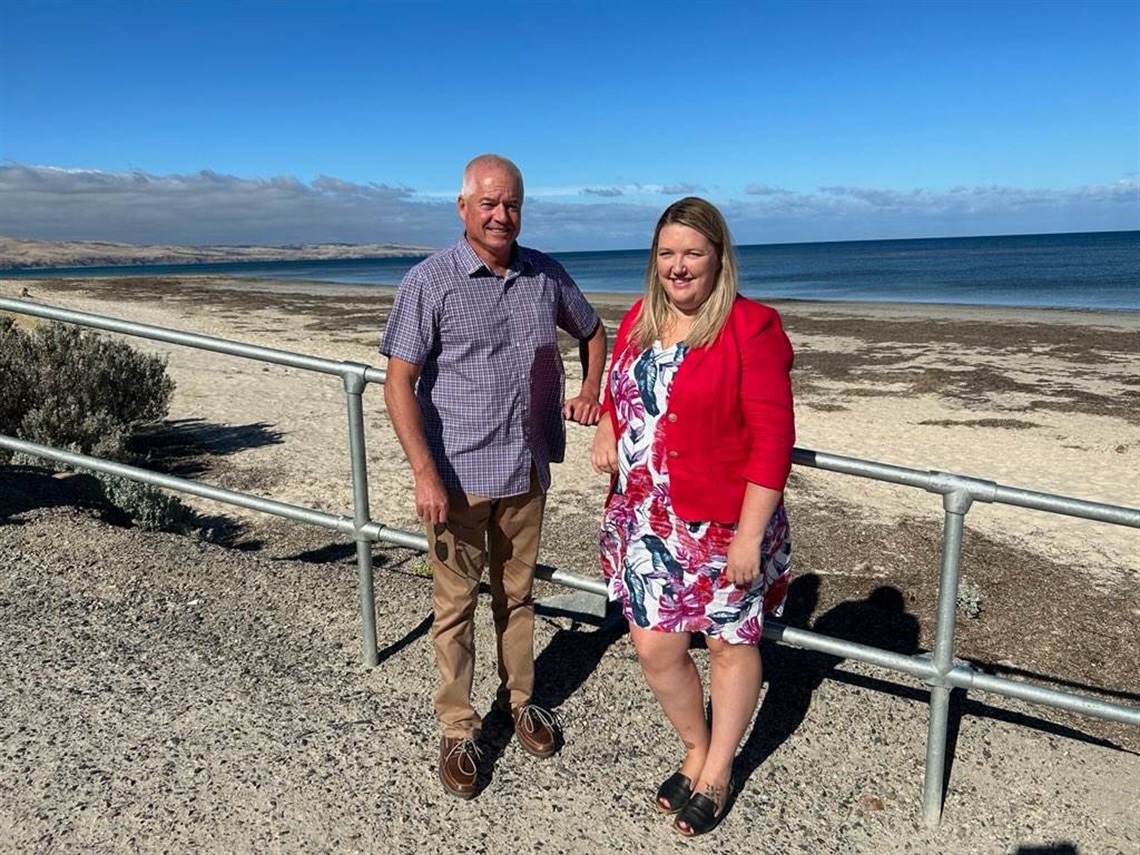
(734, 685)
(676, 684)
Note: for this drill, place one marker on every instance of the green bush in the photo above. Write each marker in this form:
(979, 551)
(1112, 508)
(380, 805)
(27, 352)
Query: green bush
(970, 599)
(148, 507)
(80, 392)
(77, 390)
(16, 376)
(145, 505)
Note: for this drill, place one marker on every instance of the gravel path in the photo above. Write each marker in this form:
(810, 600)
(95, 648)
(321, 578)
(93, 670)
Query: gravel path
(167, 695)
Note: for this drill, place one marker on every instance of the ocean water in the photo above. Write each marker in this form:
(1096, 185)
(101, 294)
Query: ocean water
(1090, 270)
(1099, 270)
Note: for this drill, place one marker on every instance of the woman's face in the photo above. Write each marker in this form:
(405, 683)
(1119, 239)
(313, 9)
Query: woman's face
(687, 266)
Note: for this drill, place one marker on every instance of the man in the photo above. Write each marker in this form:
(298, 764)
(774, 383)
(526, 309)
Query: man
(474, 392)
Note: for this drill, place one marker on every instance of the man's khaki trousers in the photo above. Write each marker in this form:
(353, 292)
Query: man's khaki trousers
(509, 530)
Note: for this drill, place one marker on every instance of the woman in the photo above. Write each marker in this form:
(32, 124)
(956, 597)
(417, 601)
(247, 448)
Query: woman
(694, 536)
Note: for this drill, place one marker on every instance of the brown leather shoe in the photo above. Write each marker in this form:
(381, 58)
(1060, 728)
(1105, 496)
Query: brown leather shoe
(459, 765)
(536, 729)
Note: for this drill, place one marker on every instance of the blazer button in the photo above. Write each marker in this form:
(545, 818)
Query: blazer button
(672, 454)
(672, 417)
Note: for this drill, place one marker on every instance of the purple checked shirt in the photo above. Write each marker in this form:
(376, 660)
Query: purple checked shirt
(491, 381)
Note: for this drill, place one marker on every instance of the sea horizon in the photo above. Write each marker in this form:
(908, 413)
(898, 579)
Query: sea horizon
(1066, 270)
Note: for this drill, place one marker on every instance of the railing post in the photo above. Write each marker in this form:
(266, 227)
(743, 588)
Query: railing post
(354, 384)
(956, 503)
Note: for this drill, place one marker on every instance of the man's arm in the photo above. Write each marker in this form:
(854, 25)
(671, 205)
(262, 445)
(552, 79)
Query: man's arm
(404, 413)
(586, 406)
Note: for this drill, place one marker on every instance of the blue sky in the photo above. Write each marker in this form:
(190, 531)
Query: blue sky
(290, 122)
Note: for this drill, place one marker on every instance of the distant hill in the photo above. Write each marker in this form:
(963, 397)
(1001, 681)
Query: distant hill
(21, 253)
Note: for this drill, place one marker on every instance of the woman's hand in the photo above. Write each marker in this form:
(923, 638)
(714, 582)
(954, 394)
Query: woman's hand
(743, 559)
(603, 453)
(744, 550)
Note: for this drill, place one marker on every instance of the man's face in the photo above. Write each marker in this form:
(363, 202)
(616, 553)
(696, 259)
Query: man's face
(492, 213)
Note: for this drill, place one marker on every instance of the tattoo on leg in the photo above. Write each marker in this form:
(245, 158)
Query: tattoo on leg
(715, 793)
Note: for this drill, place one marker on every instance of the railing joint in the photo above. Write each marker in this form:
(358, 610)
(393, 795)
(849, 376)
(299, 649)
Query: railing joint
(354, 377)
(959, 492)
(959, 674)
(978, 489)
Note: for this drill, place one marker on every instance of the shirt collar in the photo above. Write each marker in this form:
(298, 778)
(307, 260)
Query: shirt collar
(472, 264)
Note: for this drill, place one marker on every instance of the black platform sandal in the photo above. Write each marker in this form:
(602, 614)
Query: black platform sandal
(701, 814)
(673, 794)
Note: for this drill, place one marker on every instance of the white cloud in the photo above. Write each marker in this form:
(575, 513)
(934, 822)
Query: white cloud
(605, 192)
(766, 190)
(208, 207)
(681, 189)
(858, 213)
(212, 208)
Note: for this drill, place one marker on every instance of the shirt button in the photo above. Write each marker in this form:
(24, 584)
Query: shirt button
(672, 454)
(672, 417)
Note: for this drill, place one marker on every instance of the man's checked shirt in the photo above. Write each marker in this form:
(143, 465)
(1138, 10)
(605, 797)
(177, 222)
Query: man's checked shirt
(491, 385)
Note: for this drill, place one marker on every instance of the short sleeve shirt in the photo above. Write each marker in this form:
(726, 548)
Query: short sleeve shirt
(491, 383)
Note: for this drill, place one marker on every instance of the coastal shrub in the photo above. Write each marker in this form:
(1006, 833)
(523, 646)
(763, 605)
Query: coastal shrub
(969, 600)
(85, 393)
(77, 390)
(148, 507)
(16, 370)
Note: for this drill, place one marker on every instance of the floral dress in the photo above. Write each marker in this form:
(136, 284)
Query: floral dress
(668, 572)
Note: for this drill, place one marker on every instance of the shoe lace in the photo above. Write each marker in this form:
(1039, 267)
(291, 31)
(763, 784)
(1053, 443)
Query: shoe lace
(531, 713)
(466, 751)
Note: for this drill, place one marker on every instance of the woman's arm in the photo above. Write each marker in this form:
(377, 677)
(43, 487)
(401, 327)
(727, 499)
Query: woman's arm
(603, 452)
(766, 399)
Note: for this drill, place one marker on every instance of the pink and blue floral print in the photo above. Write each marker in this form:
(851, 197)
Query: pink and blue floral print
(668, 572)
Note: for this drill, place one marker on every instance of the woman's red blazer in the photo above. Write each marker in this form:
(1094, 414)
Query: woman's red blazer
(729, 418)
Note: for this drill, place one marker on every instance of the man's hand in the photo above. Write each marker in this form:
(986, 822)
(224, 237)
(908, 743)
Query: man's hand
(583, 409)
(431, 497)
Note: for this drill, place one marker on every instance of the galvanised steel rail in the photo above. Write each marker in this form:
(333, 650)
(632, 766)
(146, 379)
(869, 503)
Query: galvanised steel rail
(958, 492)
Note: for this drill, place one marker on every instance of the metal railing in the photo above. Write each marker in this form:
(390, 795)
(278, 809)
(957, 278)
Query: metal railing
(958, 492)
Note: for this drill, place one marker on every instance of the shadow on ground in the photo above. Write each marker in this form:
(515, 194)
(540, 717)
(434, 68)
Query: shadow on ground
(184, 447)
(879, 620)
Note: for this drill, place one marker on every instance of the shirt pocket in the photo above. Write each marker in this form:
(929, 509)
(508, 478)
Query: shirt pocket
(532, 314)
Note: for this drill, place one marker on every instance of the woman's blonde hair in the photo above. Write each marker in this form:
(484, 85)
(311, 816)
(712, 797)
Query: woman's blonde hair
(655, 312)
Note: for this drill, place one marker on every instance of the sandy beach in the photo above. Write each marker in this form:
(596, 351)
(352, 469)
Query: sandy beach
(285, 744)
